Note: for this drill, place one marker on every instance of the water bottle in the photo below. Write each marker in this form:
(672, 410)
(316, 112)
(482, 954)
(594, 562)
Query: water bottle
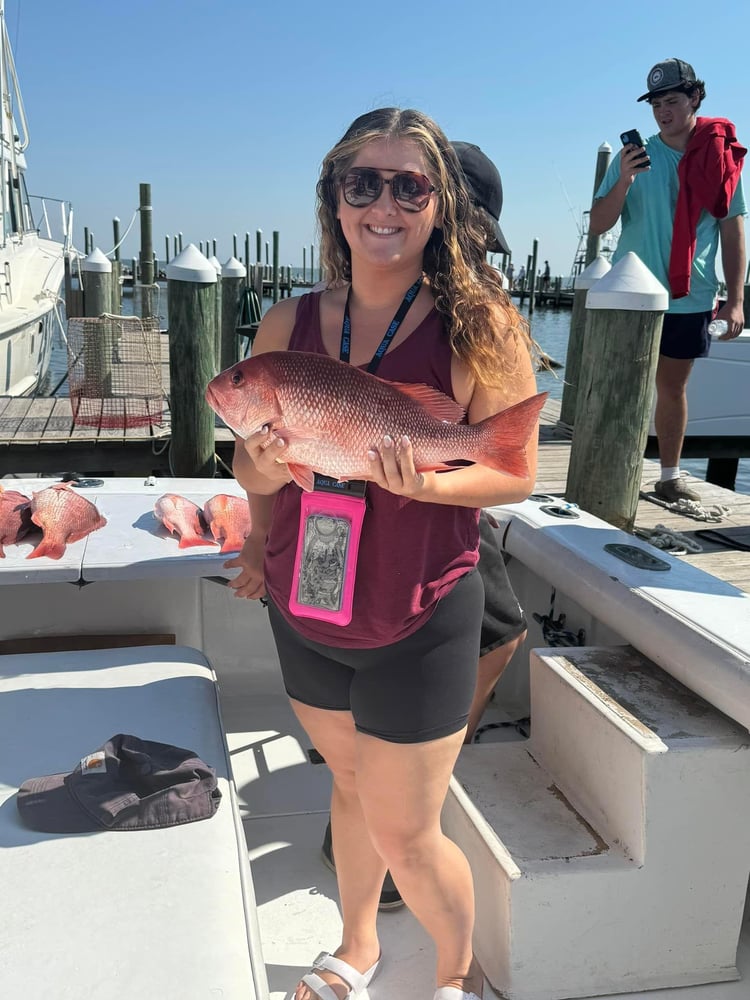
(717, 328)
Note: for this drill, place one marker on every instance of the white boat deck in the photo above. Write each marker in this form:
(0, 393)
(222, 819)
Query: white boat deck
(283, 797)
(284, 805)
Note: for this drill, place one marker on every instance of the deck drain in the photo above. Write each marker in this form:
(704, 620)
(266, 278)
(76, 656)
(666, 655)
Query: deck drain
(561, 510)
(637, 557)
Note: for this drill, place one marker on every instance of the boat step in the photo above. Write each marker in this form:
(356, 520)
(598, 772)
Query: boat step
(609, 851)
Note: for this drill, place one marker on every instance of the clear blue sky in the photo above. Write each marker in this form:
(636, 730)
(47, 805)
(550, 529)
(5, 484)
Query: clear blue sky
(226, 108)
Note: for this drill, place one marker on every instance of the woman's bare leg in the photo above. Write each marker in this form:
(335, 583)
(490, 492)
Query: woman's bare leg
(491, 667)
(359, 868)
(402, 788)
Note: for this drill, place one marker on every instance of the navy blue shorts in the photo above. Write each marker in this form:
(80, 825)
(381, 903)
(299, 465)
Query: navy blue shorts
(503, 618)
(685, 335)
(411, 691)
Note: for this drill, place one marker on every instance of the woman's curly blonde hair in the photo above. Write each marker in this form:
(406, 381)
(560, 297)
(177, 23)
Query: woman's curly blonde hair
(477, 312)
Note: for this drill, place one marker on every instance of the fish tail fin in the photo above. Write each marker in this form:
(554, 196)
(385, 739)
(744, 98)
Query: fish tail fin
(505, 435)
(50, 547)
(186, 541)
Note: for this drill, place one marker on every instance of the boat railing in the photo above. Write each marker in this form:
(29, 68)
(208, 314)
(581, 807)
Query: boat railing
(53, 219)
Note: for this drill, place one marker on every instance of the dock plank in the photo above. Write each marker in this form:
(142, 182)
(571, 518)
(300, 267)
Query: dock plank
(35, 420)
(60, 422)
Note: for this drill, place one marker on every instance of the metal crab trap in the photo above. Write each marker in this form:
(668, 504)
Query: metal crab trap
(115, 372)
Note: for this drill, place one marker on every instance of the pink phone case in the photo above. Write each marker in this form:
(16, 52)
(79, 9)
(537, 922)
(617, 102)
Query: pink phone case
(342, 507)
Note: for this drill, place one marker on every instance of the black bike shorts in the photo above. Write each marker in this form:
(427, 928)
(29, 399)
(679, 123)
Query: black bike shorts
(503, 618)
(411, 691)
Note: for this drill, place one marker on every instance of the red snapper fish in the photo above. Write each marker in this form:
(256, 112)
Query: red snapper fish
(64, 516)
(183, 518)
(331, 413)
(228, 518)
(15, 517)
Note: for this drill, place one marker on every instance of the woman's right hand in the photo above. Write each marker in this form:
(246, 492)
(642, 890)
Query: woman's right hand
(267, 450)
(249, 582)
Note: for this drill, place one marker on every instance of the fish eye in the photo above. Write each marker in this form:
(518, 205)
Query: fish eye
(237, 378)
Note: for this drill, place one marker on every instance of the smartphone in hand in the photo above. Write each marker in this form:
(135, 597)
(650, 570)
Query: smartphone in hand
(633, 137)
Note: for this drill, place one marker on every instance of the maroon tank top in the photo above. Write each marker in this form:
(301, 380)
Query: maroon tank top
(410, 554)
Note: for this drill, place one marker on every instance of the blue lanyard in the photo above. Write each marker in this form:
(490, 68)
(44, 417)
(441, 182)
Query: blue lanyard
(390, 333)
(357, 487)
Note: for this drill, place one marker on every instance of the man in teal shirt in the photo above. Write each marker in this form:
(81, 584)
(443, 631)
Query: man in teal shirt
(644, 195)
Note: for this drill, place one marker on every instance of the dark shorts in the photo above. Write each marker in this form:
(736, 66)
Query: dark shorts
(685, 335)
(411, 691)
(503, 618)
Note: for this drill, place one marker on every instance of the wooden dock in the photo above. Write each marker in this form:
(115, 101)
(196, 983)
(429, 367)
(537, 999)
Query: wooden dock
(38, 436)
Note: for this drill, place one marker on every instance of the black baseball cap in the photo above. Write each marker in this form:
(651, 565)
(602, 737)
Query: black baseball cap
(671, 74)
(126, 784)
(485, 185)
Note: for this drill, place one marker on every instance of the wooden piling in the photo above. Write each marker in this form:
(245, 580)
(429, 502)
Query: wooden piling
(275, 294)
(534, 282)
(146, 258)
(583, 282)
(593, 242)
(233, 277)
(258, 245)
(97, 345)
(191, 284)
(613, 410)
(214, 261)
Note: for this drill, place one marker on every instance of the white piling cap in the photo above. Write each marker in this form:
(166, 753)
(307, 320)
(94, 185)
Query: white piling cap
(628, 285)
(191, 265)
(233, 268)
(213, 259)
(97, 261)
(598, 267)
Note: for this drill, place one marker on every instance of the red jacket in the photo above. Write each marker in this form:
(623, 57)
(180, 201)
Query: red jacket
(709, 172)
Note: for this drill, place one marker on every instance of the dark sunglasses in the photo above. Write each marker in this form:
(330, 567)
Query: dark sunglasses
(364, 185)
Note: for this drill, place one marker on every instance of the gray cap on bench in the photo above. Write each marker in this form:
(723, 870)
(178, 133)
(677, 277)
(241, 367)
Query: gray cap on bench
(127, 784)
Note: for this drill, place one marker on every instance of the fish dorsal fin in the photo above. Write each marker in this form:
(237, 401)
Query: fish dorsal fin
(437, 404)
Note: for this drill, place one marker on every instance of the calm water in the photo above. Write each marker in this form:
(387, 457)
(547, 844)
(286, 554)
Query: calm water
(550, 328)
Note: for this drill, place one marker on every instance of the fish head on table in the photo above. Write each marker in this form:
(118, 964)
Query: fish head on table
(15, 517)
(228, 517)
(330, 414)
(64, 517)
(183, 518)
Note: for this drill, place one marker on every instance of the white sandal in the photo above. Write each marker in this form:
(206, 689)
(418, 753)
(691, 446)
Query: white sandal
(356, 981)
(453, 993)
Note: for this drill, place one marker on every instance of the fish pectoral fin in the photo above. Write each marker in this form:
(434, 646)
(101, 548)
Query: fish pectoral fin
(296, 435)
(437, 404)
(302, 475)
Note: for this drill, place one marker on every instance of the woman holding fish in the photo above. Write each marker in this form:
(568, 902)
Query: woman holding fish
(373, 596)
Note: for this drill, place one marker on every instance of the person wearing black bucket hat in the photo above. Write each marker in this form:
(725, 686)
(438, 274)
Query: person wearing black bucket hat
(677, 206)
(485, 186)
(126, 784)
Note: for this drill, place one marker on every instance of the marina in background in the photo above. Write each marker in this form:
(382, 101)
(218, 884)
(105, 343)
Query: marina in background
(550, 328)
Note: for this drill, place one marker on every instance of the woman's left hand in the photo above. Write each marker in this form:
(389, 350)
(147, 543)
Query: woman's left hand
(393, 468)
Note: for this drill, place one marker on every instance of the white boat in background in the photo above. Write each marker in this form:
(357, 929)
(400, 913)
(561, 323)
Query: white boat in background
(32, 252)
(718, 394)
